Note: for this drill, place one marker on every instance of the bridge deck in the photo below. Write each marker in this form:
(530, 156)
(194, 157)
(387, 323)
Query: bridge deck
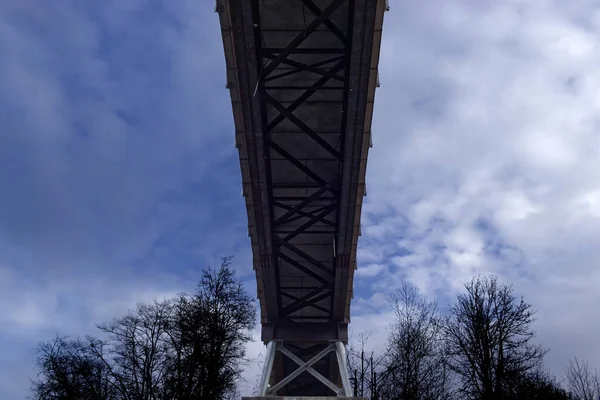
(302, 77)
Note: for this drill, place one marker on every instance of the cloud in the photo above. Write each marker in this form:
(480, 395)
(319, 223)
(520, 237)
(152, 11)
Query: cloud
(120, 181)
(485, 160)
(119, 177)
(487, 118)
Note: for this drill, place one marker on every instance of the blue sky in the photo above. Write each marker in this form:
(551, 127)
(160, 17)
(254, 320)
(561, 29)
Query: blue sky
(120, 182)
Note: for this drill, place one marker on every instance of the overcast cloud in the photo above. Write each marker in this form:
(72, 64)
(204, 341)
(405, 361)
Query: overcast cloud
(119, 181)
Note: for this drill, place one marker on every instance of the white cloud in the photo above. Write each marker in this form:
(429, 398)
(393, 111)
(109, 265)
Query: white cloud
(486, 159)
(370, 270)
(487, 116)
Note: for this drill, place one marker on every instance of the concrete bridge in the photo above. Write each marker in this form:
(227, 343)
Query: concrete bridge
(302, 76)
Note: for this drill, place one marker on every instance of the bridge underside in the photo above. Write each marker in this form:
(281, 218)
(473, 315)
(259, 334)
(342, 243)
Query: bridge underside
(302, 77)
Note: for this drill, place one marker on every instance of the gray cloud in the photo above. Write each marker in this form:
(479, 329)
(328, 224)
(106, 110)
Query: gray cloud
(486, 143)
(118, 175)
(119, 178)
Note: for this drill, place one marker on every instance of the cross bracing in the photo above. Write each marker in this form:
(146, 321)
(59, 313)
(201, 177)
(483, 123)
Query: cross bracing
(303, 81)
(302, 76)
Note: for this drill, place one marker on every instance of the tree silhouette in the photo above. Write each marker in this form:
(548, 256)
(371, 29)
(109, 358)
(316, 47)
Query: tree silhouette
(581, 381)
(208, 332)
(70, 370)
(415, 365)
(537, 385)
(190, 347)
(488, 339)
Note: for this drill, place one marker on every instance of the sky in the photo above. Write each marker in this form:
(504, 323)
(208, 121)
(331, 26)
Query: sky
(119, 180)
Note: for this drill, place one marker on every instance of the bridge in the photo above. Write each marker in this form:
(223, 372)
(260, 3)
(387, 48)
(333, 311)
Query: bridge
(302, 76)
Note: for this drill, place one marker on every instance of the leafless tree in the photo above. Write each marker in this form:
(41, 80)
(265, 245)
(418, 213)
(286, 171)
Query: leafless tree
(68, 370)
(190, 347)
(581, 381)
(365, 367)
(136, 351)
(415, 365)
(208, 332)
(489, 339)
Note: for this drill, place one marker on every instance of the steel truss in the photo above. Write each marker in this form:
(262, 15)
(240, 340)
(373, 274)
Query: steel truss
(302, 85)
(323, 205)
(265, 389)
(303, 370)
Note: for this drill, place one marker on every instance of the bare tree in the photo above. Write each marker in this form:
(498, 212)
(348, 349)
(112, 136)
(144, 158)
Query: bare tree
(68, 370)
(489, 339)
(581, 381)
(190, 347)
(365, 368)
(415, 366)
(136, 352)
(208, 332)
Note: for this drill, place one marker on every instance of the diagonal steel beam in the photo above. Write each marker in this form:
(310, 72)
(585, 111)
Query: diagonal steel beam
(331, 186)
(303, 303)
(315, 306)
(295, 71)
(313, 175)
(305, 300)
(305, 214)
(301, 125)
(306, 95)
(305, 67)
(310, 28)
(328, 23)
(302, 268)
(310, 223)
(302, 254)
(305, 367)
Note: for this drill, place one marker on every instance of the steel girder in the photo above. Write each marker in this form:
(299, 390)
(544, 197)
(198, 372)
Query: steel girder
(317, 212)
(277, 71)
(322, 206)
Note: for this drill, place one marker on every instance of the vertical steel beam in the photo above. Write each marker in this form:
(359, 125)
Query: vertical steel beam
(267, 368)
(340, 352)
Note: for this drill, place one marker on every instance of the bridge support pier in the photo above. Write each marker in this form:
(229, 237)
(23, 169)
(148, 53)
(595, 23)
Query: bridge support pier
(265, 389)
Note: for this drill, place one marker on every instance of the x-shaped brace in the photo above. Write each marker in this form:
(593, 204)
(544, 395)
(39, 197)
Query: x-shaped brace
(337, 347)
(306, 366)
